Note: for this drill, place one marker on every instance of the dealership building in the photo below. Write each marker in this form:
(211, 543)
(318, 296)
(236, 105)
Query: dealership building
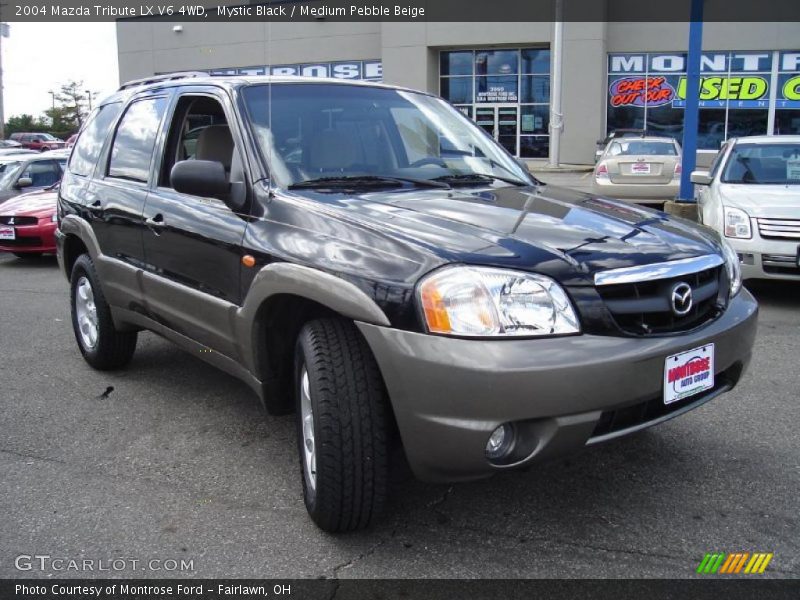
(614, 75)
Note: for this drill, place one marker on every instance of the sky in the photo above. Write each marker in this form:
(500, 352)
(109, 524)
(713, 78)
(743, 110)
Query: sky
(38, 57)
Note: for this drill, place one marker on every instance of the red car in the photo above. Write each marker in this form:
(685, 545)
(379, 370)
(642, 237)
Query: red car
(38, 141)
(28, 223)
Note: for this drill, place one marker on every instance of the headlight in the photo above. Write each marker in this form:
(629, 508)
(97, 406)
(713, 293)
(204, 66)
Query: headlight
(737, 223)
(481, 301)
(732, 266)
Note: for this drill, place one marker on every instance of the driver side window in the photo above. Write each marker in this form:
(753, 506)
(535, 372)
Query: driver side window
(200, 131)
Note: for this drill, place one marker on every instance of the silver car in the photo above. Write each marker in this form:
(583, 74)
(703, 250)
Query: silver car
(645, 170)
(751, 195)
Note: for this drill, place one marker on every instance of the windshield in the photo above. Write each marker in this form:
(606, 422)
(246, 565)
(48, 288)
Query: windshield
(334, 131)
(635, 147)
(777, 163)
(8, 173)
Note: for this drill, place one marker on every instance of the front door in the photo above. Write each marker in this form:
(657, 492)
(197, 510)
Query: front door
(192, 244)
(501, 121)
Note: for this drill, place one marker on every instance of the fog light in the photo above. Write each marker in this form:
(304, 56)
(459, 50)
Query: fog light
(500, 442)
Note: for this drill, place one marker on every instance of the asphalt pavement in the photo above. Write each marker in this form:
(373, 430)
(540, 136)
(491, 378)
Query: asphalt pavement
(174, 461)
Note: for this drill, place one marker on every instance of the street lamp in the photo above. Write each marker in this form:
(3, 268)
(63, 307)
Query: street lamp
(53, 98)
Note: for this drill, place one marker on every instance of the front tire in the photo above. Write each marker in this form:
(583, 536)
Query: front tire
(342, 426)
(103, 347)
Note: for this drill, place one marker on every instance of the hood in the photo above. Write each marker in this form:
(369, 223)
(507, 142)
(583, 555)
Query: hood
(556, 231)
(39, 204)
(775, 201)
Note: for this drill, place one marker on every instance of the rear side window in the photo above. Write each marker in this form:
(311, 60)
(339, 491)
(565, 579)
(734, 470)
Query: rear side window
(91, 139)
(135, 139)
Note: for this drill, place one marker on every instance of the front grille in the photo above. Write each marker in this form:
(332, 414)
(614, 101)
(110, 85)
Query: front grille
(645, 307)
(779, 229)
(22, 242)
(780, 264)
(644, 414)
(18, 220)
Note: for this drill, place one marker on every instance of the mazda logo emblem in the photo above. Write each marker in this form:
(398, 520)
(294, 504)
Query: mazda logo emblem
(681, 299)
(11, 221)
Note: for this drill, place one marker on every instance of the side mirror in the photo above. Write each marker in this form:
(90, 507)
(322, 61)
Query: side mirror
(524, 164)
(701, 178)
(24, 182)
(600, 142)
(204, 178)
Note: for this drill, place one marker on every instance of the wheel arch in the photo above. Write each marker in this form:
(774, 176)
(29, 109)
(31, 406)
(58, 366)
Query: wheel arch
(78, 239)
(282, 298)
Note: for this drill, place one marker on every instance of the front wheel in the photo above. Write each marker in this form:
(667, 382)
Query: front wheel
(342, 426)
(101, 344)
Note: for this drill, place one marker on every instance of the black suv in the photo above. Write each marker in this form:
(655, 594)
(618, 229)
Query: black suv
(367, 257)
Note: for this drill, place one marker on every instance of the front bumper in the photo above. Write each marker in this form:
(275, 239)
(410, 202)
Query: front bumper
(31, 238)
(767, 259)
(448, 395)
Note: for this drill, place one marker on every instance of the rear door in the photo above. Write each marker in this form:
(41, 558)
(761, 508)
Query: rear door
(193, 245)
(117, 199)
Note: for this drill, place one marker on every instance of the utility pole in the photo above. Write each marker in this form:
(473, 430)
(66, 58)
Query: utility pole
(52, 98)
(685, 206)
(89, 93)
(691, 111)
(556, 116)
(4, 30)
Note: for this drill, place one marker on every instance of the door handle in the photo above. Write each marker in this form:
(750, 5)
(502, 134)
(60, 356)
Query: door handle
(155, 222)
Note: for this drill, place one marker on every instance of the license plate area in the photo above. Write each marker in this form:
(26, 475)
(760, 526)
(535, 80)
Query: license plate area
(8, 233)
(688, 373)
(640, 169)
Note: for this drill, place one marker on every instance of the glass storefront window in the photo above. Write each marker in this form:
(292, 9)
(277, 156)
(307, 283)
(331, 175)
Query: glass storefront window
(625, 117)
(535, 88)
(535, 60)
(496, 89)
(496, 62)
(743, 122)
(507, 91)
(534, 146)
(711, 129)
(458, 90)
(648, 91)
(456, 63)
(666, 121)
(534, 119)
(787, 122)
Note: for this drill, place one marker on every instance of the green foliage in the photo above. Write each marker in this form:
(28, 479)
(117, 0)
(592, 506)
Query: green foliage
(65, 118)
(26, 123)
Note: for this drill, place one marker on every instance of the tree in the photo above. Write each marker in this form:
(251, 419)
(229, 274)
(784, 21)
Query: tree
(72, 106)
(66, 117)
(26, 123)
(62, 119)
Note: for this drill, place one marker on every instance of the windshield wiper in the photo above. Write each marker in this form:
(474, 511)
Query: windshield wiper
(351, 181)
(476, 179)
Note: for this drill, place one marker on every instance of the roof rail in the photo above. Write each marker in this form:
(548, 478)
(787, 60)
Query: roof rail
(164, 77)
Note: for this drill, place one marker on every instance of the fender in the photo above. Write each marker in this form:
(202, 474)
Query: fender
(285, 278)
(74, 225)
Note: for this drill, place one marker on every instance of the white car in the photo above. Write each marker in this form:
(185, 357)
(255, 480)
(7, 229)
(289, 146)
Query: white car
(751, 195)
